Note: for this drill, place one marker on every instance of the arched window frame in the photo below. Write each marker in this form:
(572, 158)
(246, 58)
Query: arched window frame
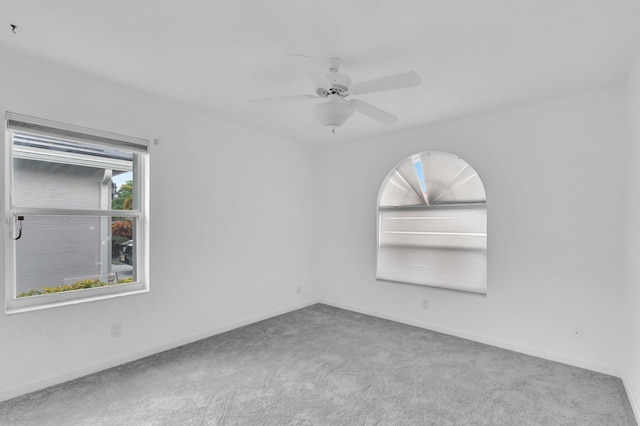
(432, 224)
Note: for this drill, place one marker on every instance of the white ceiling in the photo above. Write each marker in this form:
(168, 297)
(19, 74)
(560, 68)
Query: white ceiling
(473, 55)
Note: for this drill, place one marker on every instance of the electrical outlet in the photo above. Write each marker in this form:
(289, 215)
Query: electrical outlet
(577, 333)
(425, 303)
(116, 331)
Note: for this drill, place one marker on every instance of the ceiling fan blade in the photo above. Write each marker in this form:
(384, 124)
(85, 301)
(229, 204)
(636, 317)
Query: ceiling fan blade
(311, 69)
(281, 99)
(373, 112)
(391, 82)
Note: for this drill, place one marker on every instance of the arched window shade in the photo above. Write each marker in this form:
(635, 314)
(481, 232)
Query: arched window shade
(432, 224)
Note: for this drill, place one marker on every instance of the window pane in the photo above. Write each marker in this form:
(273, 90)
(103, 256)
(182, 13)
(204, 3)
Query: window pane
(63, 253)
(432, 178)
(53, 173)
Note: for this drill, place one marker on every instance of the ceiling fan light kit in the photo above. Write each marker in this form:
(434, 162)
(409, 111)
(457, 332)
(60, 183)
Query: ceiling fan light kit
(334, 113)
(335, 87)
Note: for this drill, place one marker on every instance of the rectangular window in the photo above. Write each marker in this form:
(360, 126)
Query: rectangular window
(77, 214)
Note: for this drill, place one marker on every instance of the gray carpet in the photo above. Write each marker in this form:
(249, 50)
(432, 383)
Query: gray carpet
(327, 366)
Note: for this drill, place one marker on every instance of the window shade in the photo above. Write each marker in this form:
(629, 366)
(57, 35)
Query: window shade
(443, 246)
(69, 132)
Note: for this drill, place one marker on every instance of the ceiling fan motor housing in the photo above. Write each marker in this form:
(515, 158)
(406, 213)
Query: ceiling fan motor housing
(338, 85)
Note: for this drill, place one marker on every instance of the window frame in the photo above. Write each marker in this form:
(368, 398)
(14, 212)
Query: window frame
(426, 207)
(140, 147)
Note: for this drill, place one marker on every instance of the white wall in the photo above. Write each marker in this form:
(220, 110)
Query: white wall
(231, 224)
(553, 173)
(631, 372)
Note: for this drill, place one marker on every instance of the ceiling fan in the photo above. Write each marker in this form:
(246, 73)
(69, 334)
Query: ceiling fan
(335, 88)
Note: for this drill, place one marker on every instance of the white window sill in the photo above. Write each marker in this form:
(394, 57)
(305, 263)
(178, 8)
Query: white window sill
(55, 300)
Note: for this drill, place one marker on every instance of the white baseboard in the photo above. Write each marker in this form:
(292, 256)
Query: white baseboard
(54, 380)
(481, 339)
(635, 407)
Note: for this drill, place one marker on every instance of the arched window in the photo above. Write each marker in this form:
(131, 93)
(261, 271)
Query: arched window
(432, 224)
